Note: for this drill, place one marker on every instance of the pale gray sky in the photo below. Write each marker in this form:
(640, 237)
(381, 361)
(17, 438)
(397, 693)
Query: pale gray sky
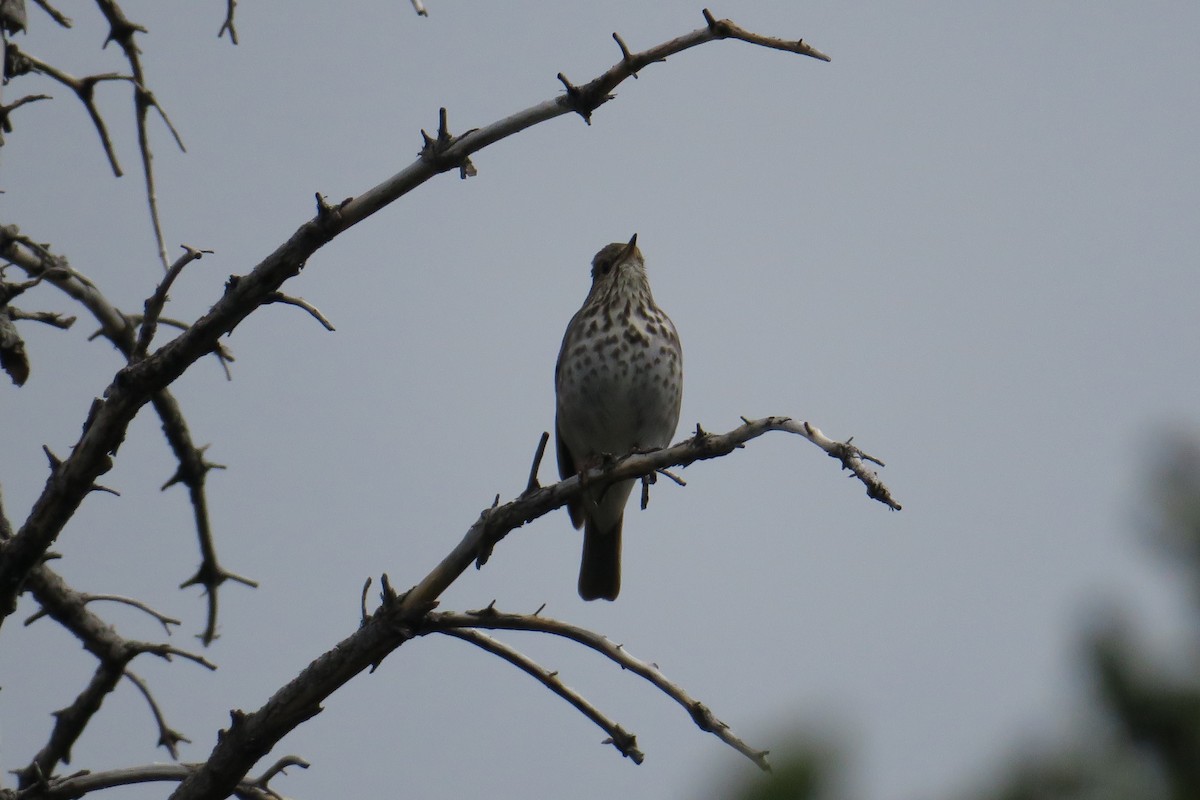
(970, 241)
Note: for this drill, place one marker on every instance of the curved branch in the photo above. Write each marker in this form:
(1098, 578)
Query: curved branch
(168, 737)
(251, 736)
(495, 523)
(163, 619)
(84, 783)
(452, 624)
(618, 737)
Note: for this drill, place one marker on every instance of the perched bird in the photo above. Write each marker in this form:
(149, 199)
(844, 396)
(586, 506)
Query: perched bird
(618, 384)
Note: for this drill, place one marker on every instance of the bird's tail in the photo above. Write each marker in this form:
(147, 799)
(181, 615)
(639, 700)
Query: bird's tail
(600, 570)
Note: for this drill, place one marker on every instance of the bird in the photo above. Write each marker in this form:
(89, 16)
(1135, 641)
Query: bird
(618, 387)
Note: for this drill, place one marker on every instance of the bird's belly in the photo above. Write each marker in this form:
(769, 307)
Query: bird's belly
(616, 405)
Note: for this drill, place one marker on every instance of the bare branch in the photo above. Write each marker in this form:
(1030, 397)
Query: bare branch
(227, 26)
(6, 111)
(121, 30)
(84, 88)
(278, 768)
(618, 737)
(69, 723)
(37, 261)
(166, 652)
(250, 736)
(300, 302)
(419, 7)
(724, 28)
(489, 618)
(83, 783)
(156, 301)
(168, 737)
(166, 621)
(54, 13)
(53, 319)
(538, 455)
(495, 523)
(69, 608)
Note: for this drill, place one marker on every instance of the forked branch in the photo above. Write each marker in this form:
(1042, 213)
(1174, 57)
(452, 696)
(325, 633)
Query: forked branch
(488, 618)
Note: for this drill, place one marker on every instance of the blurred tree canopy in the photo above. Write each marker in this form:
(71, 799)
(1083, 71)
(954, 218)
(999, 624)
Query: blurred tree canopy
(1139, 736)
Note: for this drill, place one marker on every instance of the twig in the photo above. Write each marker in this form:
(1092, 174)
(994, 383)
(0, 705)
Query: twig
(154, 303)
(618, 737)
(168, 737)
(86, 782)
(419, 7)
(227, 26)
(163, 619)
(278, 768)
(451, 623)
(300, 302)
(54, 13)
(84, 88)
(51, 318)
(538, 455)
(6, 110)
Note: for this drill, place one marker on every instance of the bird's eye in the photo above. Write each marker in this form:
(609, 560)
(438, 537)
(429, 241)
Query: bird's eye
(606, 267)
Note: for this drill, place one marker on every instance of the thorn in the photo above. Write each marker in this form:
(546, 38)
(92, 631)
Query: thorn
(433, 150)
(324, 210)
(575, 99)
(532, 484)
(363, 601)
(626, 56)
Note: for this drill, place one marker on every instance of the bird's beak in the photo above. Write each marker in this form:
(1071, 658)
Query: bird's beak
(629, 248)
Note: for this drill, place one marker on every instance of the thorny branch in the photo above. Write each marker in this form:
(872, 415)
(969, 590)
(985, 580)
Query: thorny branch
(251, 736)
(496, 522)
(113, 652)
(137, 383)
(121, 31)
(402, 616)
(38, 262)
